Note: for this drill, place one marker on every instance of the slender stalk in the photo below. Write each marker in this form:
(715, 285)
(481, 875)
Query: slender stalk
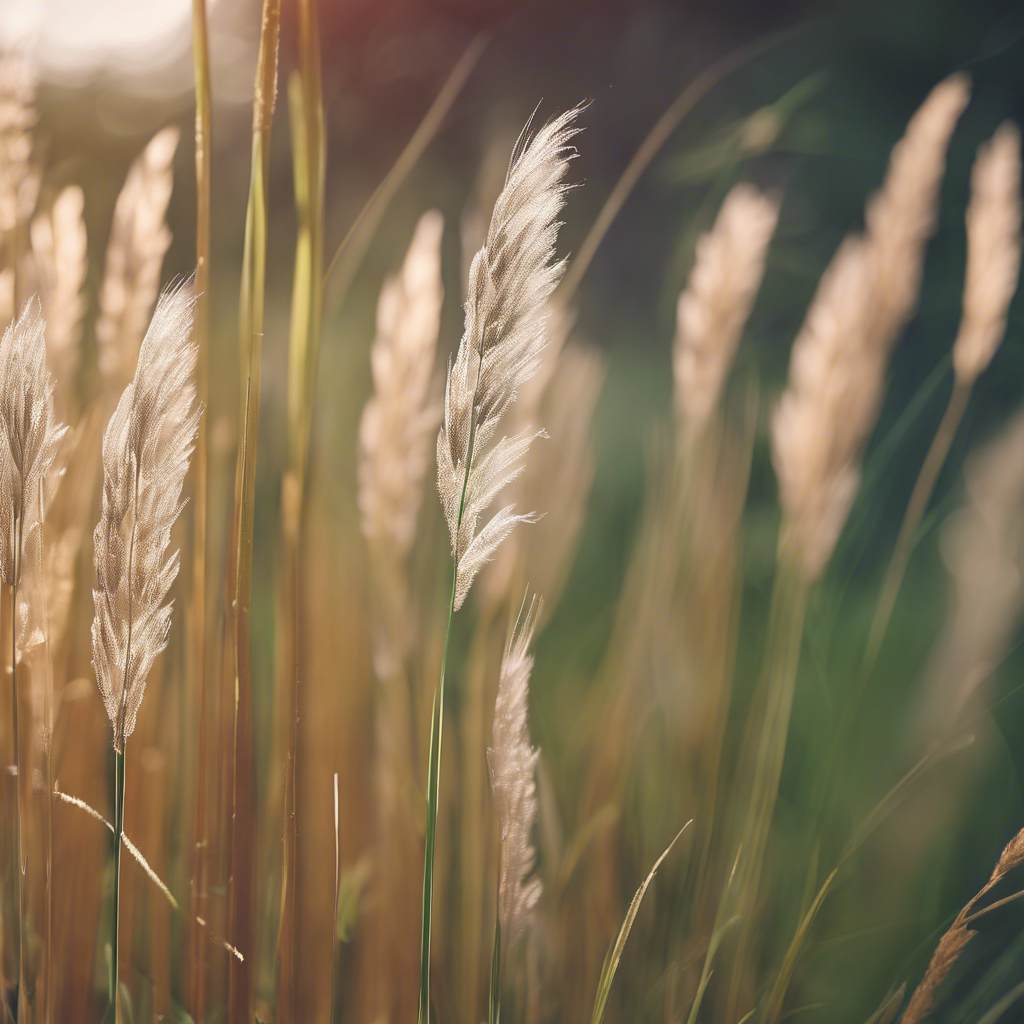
(200, 847)
(924, 487)
(241, 899)
(656, 138)
(308, 148)
(434, 762)
(337, 900)
(770, 720)
(48, 964)
(494, 1000)
(114, 992)
(18, 839)
(347, 257)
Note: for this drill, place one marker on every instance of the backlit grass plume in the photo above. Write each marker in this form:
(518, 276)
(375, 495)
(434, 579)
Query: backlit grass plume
(513, 760)
(30, 432)
(510, 280)
(712, 310)
(146, 450)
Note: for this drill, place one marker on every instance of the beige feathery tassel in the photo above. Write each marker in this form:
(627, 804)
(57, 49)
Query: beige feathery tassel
(59, 246)
(900, 217)
(399, 420)
(823, 417)
(146, 450)
(716, 303)
(29, 436)
(139, 238)
(513, 761)
(510, 282)
(993, 252)
(840, 356)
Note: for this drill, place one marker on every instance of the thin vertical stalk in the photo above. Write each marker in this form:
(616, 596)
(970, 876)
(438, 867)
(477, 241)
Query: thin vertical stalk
(337, 900)
(924, 487)
(434, 760)
(200, 857)
(242, 843)
(48, 964)
(772, 707)
(114, 984)
(18, 788)
(307, 121)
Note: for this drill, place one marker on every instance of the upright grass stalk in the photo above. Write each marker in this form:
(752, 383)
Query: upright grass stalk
(309, 157)
(242, 842)
(146, 451)
(19, 849)
(196, 972)
(510, 282)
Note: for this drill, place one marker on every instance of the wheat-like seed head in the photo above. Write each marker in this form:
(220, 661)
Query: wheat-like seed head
(29, 435)
(993, 252)
(510, 281)
(399, 420)
(716, 303)
(139, 238)
(512, 761)
(900, 217)
(146, 450)
(829, 405)
(60, 250)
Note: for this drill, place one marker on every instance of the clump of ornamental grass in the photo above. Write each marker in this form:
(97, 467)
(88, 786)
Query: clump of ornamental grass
(146, 450)
(511, 280)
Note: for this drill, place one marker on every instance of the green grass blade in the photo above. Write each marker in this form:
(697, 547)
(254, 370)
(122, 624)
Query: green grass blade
(611, 963)
(494, 1001)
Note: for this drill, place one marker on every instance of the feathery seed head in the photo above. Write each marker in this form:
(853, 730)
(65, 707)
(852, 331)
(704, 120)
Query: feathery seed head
(512, 761)
(146, 450)
(993, 252)
(711, 312)
(400, 418)
(900, 217)
(29, 435)
(823, 417)
(510, 281)
(60, 249)
(139, 238)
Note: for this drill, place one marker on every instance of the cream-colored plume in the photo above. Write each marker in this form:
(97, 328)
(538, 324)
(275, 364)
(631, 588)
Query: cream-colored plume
(840, 356)
(993, 252)
(900, 217)
(716, 303)
(513, 761)
(510, 281)
(60, 251)
(139, 238)
(29, 436)
(827, 410)
(399, 420)
(146, 450)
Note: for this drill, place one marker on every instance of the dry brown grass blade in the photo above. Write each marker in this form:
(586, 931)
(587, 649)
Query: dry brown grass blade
(953, 942)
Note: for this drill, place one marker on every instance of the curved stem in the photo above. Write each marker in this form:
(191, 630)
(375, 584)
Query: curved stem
(924, 487)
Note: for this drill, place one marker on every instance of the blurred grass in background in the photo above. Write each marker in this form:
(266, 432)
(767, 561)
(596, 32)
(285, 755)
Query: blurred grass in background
(813, 116)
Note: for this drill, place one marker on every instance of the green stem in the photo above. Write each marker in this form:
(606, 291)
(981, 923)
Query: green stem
(119, 834)
(433, 778)
(18, 846)
(494, 1001)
